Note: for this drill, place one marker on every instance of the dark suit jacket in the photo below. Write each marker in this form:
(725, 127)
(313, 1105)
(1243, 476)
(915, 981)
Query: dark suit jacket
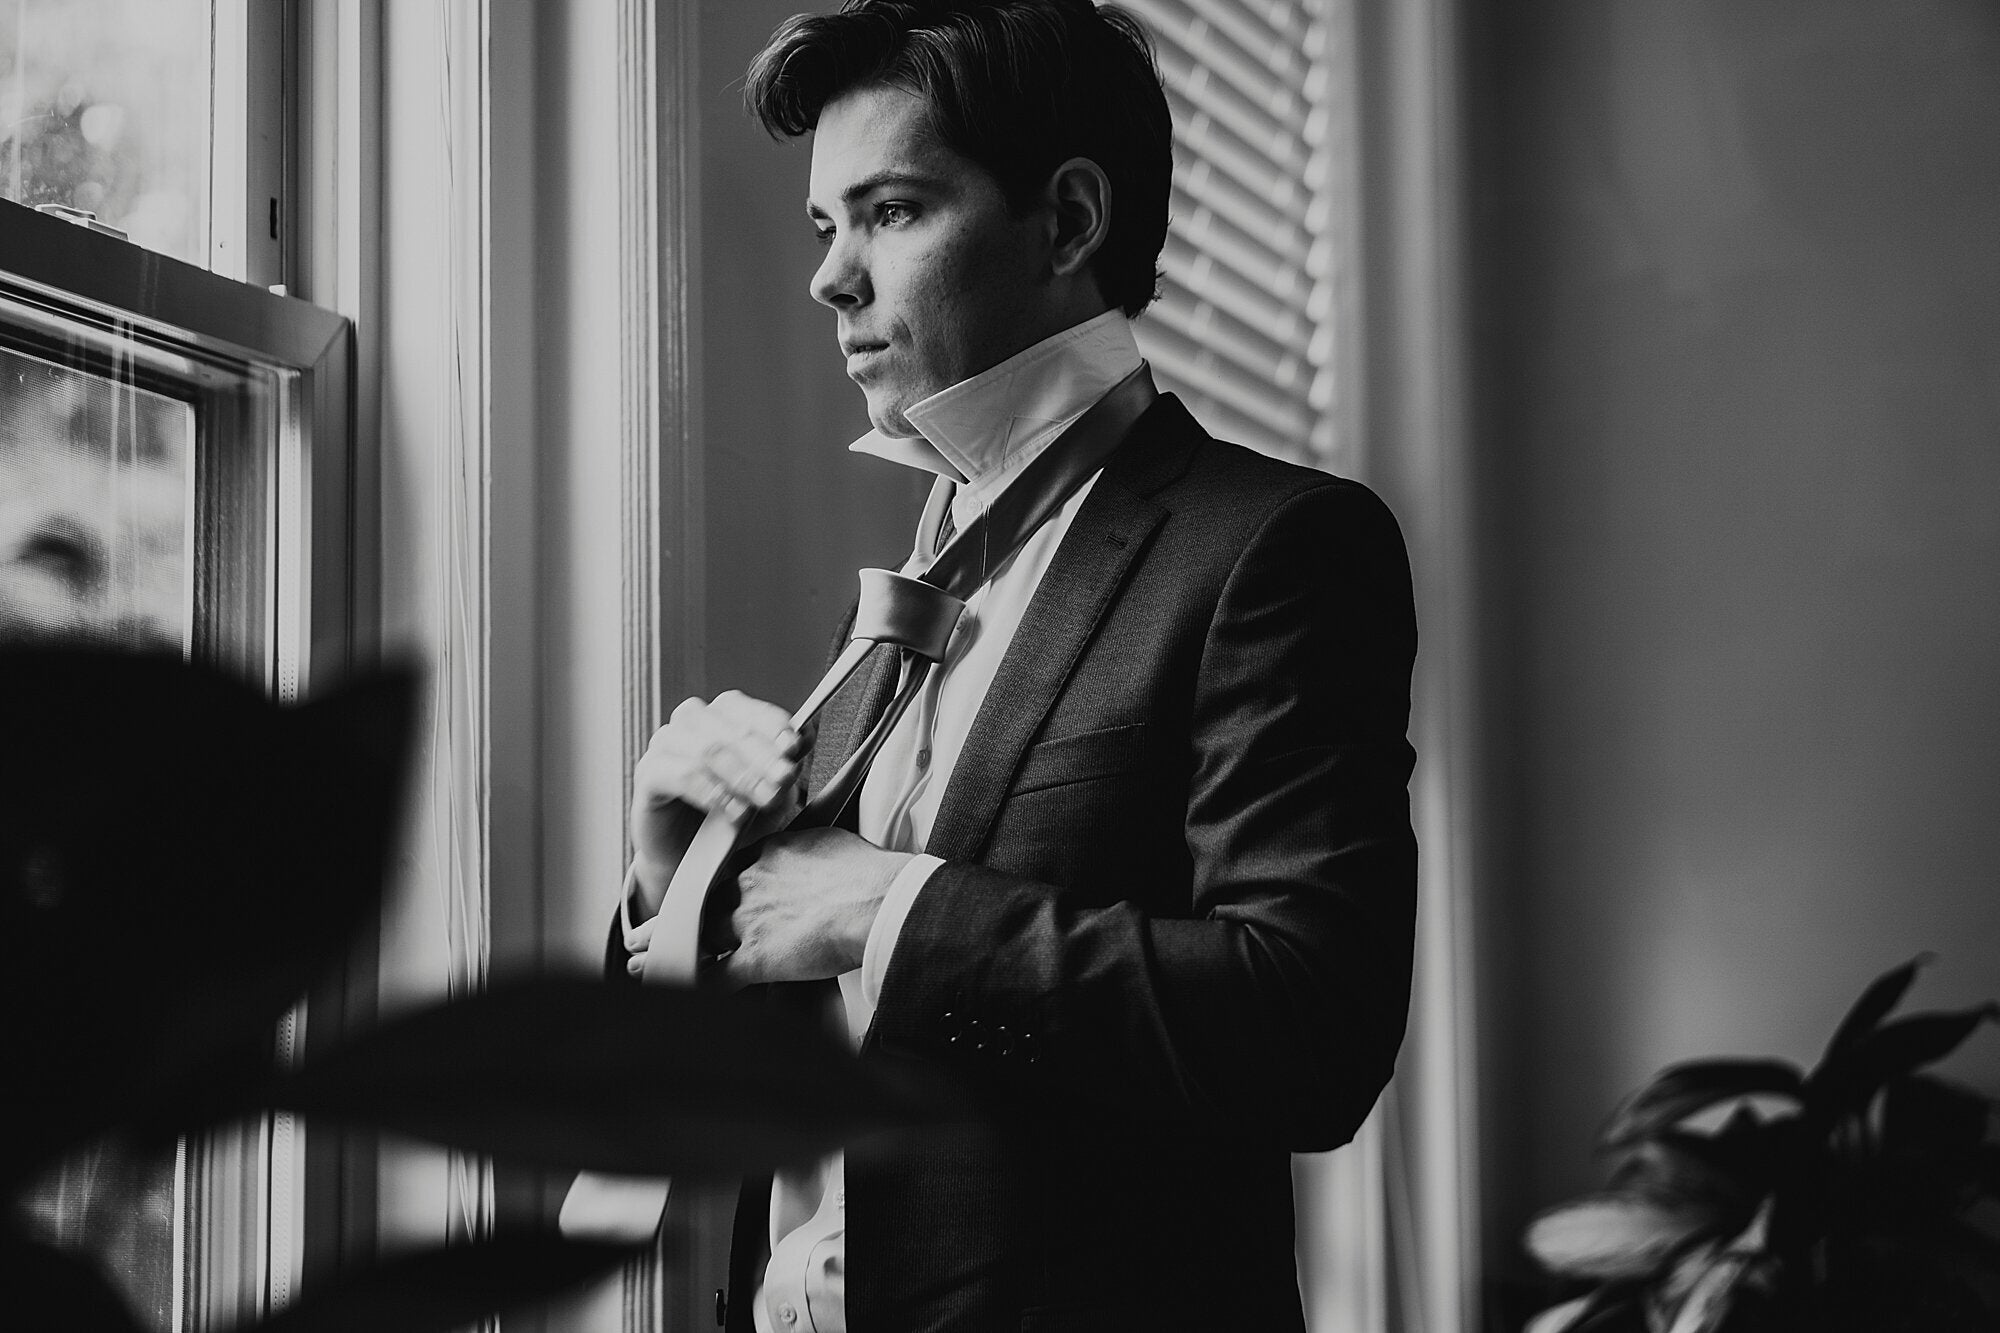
(1171, 942)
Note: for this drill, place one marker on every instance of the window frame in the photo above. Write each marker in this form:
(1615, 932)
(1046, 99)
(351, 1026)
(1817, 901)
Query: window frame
(238, 1205)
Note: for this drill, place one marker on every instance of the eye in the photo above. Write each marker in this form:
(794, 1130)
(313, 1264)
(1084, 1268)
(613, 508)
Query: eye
(894, 213)
(823, 234)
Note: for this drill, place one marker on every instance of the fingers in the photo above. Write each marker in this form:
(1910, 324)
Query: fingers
(640, 937)
(735, 754)
(637, 941)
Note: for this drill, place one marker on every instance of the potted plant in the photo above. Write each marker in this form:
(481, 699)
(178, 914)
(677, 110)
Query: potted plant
(1748, 1195)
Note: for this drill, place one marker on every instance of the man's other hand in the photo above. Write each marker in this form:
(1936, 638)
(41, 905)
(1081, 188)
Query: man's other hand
(733, 754)
(804, 907)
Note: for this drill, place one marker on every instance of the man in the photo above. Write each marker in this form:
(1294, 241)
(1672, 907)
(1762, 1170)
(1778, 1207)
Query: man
(1137, 868)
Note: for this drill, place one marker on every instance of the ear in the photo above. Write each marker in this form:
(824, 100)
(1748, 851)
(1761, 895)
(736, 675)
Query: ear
(1079, 197)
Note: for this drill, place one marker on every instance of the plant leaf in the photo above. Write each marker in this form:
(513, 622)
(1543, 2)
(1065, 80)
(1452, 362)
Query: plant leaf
(1617, 1307)
(51, 1288)
(1682, 1090)
(572, 1072)
(1616, 1235)
(1931, 1117)
(1613, 1306)
(1706, 1303)
(179, 857)
(1846, 1084)
(437, 1290)
(1882, 996)
(1558, 1318)
(1726, 1172)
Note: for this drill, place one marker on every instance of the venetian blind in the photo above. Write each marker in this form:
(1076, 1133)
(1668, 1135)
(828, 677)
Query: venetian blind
(1245, 328)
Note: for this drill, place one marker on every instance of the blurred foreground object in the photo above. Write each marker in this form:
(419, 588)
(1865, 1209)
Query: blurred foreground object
(180, 857)
(1866, 1200)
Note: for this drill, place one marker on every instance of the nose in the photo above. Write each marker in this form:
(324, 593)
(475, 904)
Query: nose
(841, 281)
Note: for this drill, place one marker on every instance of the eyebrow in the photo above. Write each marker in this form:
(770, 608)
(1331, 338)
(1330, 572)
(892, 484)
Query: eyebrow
(867, 185)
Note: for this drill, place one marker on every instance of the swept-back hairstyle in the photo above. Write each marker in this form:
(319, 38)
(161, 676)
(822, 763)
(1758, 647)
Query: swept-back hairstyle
(1017, 86)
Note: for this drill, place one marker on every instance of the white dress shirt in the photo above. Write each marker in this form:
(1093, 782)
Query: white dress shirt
(979, 433)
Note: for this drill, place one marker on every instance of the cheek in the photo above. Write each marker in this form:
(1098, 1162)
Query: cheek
(950, 312)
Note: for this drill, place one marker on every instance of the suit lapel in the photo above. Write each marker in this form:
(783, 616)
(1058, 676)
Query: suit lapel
(1082, 581)
(1089, 567)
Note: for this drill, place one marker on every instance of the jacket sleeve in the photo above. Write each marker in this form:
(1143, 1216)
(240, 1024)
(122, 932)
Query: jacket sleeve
(1273, 1007)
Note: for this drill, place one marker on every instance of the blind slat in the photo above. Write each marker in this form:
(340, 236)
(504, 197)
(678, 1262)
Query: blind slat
(1282, 235)
(1277, 88)
(1289, 323)
(1275, 139)
(1236, 33)
(1194, 366)
(1273, 361)
(1250, 24)
(1284, 284)
(1234, 328)
(1207, 144)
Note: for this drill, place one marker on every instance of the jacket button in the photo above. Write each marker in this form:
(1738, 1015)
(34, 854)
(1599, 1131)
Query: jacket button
(721, 1308)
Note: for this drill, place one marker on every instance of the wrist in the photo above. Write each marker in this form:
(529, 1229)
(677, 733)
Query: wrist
(861, 923)
(646, 884)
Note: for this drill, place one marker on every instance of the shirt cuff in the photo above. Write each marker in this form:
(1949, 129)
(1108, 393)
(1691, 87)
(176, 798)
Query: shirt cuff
(896, 905)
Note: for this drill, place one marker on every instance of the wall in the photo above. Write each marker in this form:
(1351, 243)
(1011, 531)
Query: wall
(1738, 340)
(791, 515)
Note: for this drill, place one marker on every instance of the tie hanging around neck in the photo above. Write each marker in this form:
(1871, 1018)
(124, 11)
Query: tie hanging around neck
(903, 611)
(917, 619)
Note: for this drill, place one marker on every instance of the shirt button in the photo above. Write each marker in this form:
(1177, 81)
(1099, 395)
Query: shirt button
(924, 757)
(788, 1314)
(840, 1198)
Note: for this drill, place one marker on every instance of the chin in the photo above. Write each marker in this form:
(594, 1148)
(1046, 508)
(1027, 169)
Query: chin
(889, 420)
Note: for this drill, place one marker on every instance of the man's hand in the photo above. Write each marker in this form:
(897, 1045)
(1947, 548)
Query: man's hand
(803, 909)
(734, 754)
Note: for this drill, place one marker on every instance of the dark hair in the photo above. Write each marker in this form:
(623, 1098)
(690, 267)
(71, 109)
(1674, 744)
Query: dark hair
(1017, 86)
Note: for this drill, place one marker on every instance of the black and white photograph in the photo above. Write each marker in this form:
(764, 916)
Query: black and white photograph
(1164, 666)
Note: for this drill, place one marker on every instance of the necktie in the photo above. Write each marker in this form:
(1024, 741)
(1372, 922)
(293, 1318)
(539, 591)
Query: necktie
(891, 612)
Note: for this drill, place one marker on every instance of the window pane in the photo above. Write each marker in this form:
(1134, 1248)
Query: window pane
(96, 507)
(104, 106)
(97, 543)
(174, 473)
(119, 1208)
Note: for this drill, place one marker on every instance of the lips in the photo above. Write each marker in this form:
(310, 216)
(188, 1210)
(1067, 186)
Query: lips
(861, 356)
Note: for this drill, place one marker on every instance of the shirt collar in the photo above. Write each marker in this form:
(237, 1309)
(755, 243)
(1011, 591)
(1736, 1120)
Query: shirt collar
(982, 430)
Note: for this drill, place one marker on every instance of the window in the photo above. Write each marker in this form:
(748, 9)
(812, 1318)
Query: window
(161, 120)
(1247, 323)
(175, 456)
(173, 472)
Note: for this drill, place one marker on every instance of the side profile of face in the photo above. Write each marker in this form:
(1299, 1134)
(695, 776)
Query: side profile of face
(931, 277)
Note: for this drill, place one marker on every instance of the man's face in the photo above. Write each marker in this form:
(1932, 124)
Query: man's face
(931, 276)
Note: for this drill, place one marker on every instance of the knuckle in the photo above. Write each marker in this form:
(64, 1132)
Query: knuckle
(722, 759)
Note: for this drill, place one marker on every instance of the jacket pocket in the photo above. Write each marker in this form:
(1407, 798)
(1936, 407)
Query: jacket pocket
(1082, 756)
